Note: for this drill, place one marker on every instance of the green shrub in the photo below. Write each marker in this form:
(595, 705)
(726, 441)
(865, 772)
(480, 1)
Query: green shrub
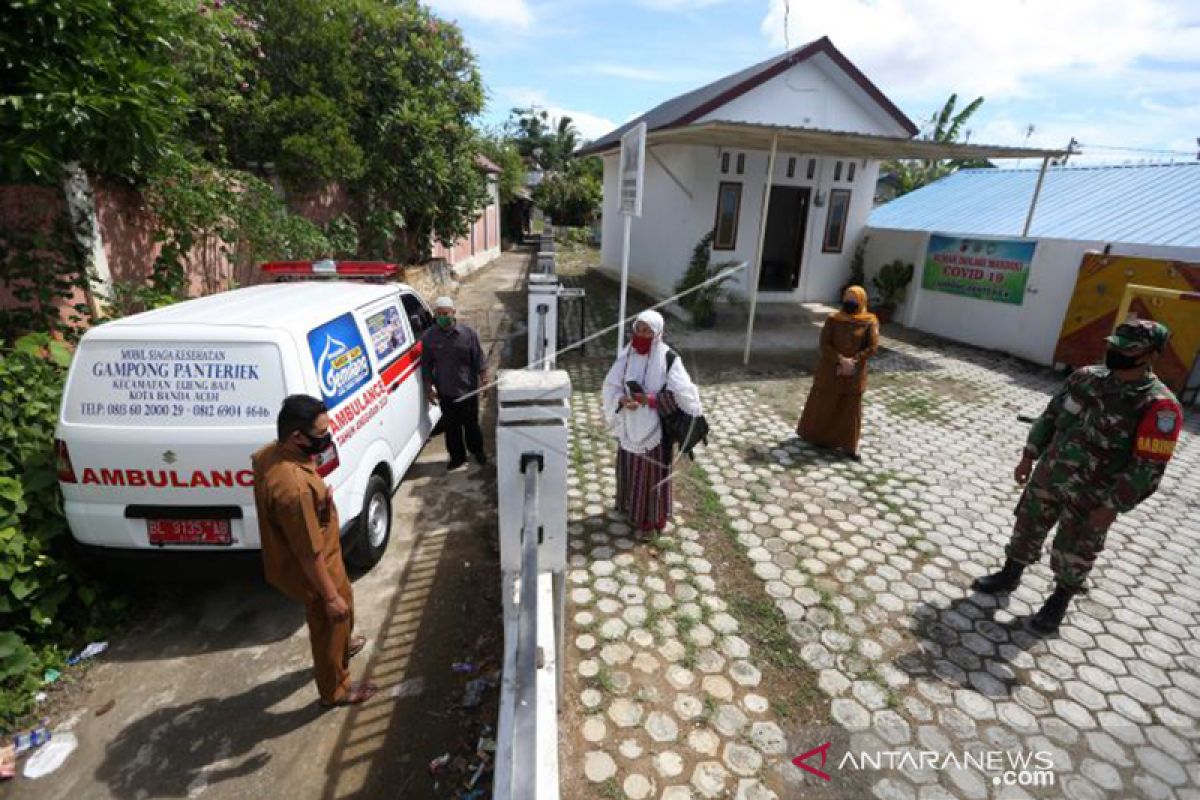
(44, 597)
(702, 303)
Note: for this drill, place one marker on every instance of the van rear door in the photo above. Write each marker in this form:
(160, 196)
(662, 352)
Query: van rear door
(158, 433)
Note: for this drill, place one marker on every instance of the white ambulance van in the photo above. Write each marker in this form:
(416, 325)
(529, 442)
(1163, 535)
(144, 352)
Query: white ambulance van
(162, 411)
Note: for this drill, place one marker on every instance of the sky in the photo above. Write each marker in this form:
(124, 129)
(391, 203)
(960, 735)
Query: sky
(1110, 73)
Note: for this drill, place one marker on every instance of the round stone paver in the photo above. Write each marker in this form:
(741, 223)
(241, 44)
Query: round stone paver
(756, 703)
(709, 779)
(718, 687)
(625, 713)
(594, 729)
(704, 742)
(753, 789)
(769, 738)
(662, 727)
(599, 767)
(688, 706)
(730, 720)
(850, 715)
(742, 759)
(745, 673)
(631, 749)
(679, 677)
(668, 764)
(638, 787)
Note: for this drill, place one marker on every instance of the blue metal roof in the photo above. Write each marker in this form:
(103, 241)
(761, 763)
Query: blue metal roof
(1154, 204)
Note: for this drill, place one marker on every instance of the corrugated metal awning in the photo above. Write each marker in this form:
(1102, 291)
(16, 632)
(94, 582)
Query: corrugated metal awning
(754, 136)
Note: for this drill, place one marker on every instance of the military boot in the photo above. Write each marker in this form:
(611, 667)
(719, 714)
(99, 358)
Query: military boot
(1003, 581)
(1050, 615)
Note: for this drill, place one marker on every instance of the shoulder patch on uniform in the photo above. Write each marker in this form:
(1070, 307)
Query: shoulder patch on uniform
(1159, 429)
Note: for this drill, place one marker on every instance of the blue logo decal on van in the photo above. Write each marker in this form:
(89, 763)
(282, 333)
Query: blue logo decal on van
(340, 358)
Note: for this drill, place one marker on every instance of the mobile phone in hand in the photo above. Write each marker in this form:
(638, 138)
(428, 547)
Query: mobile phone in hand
(634, 388)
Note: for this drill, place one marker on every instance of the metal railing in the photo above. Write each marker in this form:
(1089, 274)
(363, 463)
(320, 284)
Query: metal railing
(516, 765)
(543, 353)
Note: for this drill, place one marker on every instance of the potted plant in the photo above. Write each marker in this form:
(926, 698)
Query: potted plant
(702, 303)
(891, 282)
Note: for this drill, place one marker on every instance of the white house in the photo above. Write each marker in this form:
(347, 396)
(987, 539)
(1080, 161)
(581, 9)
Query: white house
(706, 170)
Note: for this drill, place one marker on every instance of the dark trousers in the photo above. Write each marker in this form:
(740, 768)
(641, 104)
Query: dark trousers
(460, 419)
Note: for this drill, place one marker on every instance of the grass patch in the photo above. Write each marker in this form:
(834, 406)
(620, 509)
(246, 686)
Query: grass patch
(691, 655)
(710, 708)
(709, 509)
(766, 628)
(916, 406)
(664, 544)
(828, 603)
(803, 696)
(604, 679)
(611, 790)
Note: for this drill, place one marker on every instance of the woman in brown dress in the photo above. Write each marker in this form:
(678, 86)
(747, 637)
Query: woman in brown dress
(833, 413)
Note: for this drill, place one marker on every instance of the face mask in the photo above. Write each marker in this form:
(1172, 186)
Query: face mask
(317, 444)
(444, 320)
(1115, 359)
(850, 306)
(641, 344)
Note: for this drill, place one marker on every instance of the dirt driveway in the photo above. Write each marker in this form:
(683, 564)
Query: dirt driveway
(214, 696)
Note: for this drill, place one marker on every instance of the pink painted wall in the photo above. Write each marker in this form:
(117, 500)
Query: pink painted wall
(128, 229)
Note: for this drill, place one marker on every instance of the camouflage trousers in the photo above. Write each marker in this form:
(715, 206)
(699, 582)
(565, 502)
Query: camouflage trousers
(1076, 544)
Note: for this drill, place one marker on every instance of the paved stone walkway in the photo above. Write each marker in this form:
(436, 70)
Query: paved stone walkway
(871, 564)
(664, 686)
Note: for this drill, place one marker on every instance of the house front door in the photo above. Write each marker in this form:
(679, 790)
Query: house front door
(783, 247)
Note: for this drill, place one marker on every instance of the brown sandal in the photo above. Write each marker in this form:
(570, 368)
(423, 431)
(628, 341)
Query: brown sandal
(359, 693)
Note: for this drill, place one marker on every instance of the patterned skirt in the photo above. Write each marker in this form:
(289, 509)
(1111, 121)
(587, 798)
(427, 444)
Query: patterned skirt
(644, 487)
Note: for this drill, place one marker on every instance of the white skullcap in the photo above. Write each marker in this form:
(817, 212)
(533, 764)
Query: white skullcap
(443, 302)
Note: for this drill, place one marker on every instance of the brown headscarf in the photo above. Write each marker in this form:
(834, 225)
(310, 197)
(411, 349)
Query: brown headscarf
(862, 315)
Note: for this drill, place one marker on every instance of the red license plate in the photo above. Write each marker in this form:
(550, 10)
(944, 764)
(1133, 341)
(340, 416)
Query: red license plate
(190, 531)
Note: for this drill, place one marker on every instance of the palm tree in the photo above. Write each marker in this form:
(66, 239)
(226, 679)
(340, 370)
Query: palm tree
(944, 127)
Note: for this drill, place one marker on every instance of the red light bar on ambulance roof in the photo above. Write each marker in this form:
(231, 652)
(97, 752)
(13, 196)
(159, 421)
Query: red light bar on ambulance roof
(327, 268)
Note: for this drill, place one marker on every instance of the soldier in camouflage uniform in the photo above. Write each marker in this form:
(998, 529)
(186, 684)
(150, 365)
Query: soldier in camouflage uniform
(1101, 447)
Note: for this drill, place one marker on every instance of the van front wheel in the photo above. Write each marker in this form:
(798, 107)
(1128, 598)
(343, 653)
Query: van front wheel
(374, 527)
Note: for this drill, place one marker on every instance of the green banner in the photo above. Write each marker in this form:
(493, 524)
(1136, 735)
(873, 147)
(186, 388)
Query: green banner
(995, 270)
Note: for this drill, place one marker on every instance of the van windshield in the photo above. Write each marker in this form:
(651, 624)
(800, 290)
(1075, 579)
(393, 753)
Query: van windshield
(168, 384)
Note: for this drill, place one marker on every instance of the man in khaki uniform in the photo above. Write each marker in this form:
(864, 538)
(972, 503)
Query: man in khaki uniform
(302, 551)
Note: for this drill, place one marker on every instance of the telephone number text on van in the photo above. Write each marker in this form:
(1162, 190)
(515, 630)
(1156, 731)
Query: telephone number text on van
(225, 411)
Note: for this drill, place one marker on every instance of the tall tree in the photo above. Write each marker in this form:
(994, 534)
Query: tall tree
(545, 143)
(90, 82)
(946, 126)
(380, 96)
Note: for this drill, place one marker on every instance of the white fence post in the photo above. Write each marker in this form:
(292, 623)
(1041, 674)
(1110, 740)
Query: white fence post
(532, 446)
(543, 321)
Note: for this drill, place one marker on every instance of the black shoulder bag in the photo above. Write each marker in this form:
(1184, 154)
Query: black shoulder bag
(680, 427)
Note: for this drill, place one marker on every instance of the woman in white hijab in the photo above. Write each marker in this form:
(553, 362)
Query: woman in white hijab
(638, 391)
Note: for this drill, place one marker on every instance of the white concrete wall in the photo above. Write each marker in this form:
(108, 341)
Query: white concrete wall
(1029, 330)
(812, 94)
(672, 222)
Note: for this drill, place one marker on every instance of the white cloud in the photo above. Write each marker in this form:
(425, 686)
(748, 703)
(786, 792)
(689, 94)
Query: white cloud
(515, 13)
(998, 48)
(647, 74)
(678, 5)
(590, 126)
(1115, 74)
